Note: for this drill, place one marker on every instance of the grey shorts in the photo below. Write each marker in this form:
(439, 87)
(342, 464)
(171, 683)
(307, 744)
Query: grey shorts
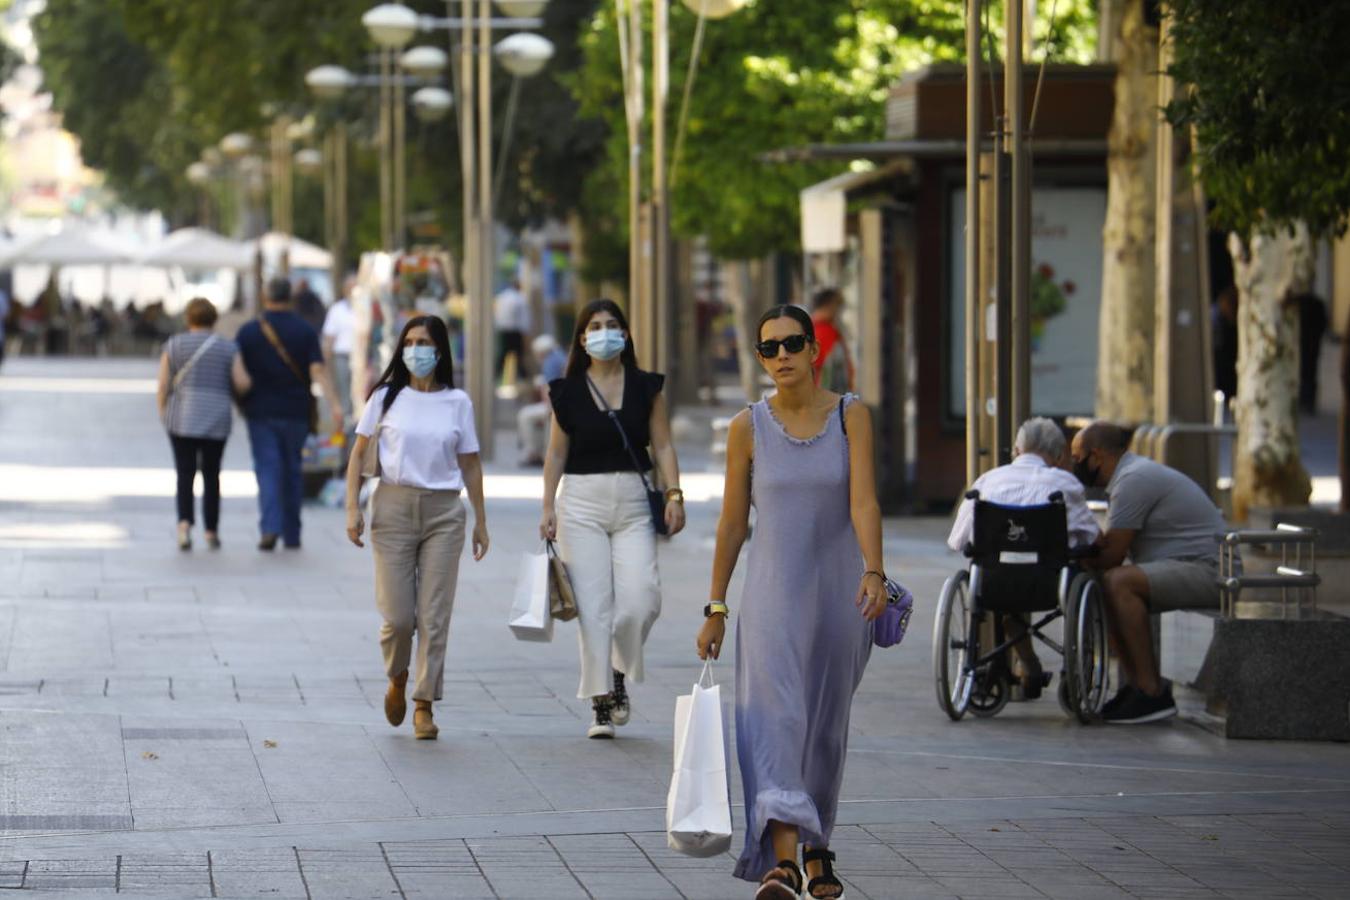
(1181, 584)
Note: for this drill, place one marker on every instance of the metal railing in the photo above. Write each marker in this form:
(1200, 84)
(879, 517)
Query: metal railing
(1289, 576)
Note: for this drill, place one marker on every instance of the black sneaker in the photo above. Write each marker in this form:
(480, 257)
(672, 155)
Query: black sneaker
(602, 718)
(1125, 693)
(618, 699)
(1140, 708)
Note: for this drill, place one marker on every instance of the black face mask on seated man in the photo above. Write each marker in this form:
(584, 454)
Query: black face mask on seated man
(1083, 470)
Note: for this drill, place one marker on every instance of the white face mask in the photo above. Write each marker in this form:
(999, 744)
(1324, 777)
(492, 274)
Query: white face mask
(421, 361)
(605, 343)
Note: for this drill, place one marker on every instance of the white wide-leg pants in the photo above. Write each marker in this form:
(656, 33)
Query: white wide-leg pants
(606, 538)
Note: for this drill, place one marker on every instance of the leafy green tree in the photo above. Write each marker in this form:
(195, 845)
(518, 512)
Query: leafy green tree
(148, 84)
(1269, 102)
(777, 75)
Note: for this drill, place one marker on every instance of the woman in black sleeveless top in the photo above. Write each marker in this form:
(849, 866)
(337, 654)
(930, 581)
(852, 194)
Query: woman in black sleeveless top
(602, 520)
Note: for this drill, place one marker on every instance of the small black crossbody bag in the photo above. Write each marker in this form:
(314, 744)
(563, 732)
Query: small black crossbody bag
(656, 501)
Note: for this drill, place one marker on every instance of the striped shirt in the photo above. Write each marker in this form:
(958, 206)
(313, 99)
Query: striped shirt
(199, 406)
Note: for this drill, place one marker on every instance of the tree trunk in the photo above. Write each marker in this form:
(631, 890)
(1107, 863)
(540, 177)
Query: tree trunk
(1269, 270)
(1125, 341)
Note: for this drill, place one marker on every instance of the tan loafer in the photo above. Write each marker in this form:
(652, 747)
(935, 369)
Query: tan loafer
(424, 729)
(395, 704)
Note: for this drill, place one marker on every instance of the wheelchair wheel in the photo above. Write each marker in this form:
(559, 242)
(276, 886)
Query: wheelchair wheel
(1085, 648)
(951, 646)
(990, 693)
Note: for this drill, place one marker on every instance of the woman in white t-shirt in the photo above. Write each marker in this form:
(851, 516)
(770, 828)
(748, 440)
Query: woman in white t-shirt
(428, 452)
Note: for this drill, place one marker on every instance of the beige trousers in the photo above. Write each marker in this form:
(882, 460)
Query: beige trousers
(606, 538)
(416, 537)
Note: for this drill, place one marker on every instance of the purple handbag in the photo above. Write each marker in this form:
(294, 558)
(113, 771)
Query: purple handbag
(889, 628)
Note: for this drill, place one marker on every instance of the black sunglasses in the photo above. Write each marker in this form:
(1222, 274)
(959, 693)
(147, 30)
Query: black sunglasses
(794, 343)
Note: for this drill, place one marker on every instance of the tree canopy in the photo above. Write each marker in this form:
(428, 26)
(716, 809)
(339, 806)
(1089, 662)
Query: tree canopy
(1269, 100)
(777, 75)
(148, 84)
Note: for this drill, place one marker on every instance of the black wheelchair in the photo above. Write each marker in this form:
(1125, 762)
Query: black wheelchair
(1020, 563)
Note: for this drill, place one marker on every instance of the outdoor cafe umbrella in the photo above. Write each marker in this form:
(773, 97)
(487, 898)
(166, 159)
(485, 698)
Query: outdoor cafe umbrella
(198, 248)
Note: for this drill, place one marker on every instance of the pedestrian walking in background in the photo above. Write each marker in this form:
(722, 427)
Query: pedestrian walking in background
(604, 521)
(5, 310)
(282, 356)
(511, 314)
(339, 335)
(804, 634)
(533, 418)
(199, 375)
(308, 306)
(1312, 330)
(1224, 337)
(427, 451)
(834, 363)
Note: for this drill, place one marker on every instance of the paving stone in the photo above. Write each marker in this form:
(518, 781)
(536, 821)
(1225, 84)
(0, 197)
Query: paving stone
(227, 707)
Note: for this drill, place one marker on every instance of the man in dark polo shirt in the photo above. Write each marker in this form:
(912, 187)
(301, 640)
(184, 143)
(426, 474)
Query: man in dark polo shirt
(283, 357)
(1170, 529)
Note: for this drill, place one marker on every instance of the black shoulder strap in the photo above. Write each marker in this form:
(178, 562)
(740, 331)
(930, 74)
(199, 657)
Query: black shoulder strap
(614, 417)
(842, 424)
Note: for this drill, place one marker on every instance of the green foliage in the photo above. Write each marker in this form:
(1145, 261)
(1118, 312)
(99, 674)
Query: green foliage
(148, 84)
(1270, 105)
(777, 75)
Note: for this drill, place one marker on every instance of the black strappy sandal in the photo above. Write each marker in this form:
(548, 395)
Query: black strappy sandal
(776, 887)
(826, 878)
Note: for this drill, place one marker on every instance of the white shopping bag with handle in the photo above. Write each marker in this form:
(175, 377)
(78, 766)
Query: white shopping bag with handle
(530, 619)
(698, 807)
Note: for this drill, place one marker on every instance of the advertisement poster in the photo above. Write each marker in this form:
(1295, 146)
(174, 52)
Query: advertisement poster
(1066, 283)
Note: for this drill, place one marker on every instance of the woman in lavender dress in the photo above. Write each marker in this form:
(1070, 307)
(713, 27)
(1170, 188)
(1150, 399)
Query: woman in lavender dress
(803, 459)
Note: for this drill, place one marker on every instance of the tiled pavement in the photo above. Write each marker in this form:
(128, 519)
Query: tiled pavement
(196, 725)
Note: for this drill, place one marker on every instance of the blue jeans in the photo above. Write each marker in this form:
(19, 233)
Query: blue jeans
(277, 445)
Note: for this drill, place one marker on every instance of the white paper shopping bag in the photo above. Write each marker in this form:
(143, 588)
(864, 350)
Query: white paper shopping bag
(530, 619)
(698, 807)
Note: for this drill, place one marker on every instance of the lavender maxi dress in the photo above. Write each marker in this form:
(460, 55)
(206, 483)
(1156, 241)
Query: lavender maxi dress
(801, 643)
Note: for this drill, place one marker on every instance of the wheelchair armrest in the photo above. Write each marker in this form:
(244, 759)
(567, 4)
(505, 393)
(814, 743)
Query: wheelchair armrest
(968, 550)
(1090, 551)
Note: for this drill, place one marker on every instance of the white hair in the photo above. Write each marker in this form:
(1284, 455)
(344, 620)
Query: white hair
(1042, 437)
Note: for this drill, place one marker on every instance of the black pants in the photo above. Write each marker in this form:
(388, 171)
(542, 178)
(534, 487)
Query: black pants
(512, 342)
(190, 454)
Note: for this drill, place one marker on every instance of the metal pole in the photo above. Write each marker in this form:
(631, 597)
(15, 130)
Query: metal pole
(386, 175)
(662, 320)
(478, 374)
(487, 250)
(509, 125)
(1019, 242)
(972, 298)
(400, 193)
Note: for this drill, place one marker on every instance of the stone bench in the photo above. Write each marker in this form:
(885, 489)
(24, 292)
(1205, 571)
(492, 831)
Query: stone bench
(1267, 668)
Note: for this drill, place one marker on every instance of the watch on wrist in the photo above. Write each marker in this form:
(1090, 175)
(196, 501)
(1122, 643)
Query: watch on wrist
(674, 495)
(714, 608)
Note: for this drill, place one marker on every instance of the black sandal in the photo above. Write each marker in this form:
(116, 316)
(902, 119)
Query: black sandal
(776, 887)
(826, 877)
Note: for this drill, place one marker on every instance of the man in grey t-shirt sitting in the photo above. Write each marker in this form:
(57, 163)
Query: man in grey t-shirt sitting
(1170, 529)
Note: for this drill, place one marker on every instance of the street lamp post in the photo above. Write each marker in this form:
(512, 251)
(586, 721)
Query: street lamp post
(475, 144)
(649, 223)
(391, 26)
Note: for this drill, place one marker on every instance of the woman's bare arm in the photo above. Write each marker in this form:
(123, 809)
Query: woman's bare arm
(864, 510)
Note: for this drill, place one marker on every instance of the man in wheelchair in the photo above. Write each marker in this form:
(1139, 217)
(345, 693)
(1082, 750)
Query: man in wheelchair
(1169, 529)
(1037, 476)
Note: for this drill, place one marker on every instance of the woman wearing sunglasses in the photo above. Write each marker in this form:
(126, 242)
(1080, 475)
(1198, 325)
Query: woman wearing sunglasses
(606, 411)
(814, 584)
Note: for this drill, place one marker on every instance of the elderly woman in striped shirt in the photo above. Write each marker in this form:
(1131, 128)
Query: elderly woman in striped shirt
(199, 372)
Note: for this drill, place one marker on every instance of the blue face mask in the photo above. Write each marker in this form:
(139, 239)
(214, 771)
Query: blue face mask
(421, 361)
(605, 343)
